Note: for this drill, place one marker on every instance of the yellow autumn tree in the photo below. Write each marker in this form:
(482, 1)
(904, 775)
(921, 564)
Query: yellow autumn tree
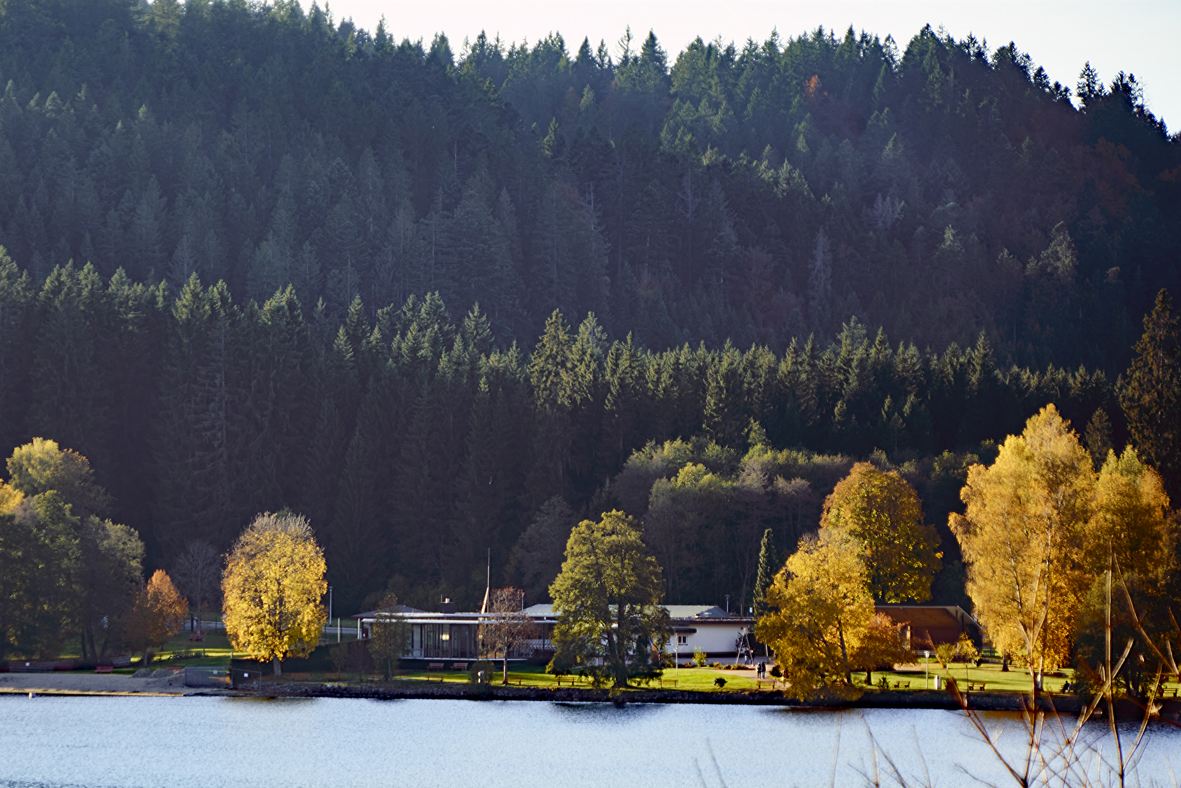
(273, 586)
(821, 612)
(159, 613)
(1130, 519)
(1023, 537)
(882, 511)
(10, 498)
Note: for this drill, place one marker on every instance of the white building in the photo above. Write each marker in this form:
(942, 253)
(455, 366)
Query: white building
(706, 627)
(449, 635)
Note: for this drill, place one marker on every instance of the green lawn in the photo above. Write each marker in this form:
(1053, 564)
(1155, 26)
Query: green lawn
(215, 652)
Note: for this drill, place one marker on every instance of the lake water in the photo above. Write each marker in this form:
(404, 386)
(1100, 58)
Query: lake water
(208, 742)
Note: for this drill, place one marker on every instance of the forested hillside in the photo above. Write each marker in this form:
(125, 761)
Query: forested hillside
(260, 260)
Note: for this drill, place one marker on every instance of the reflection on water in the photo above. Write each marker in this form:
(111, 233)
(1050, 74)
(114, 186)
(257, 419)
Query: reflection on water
(207, 742)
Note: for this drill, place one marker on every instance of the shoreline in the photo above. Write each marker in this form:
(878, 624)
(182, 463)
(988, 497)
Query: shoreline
(90, 685)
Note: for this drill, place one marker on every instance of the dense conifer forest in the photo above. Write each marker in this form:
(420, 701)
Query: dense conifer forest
(442, 300)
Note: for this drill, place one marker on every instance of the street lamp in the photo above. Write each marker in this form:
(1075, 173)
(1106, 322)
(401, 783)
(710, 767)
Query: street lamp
(926, 667)
(330, 614)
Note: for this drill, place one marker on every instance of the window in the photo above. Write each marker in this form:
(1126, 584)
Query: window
(682, 639)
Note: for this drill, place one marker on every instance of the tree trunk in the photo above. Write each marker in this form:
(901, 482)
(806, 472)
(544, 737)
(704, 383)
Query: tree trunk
(278, 667)
(504, 678)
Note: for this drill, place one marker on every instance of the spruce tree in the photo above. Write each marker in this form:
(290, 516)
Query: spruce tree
(766, 572)
(1150, 393)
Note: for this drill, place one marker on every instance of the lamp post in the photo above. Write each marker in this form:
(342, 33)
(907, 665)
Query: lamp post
(926, 667)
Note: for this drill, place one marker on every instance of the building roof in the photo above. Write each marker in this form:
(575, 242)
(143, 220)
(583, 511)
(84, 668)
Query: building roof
(678, 613)
(675, 612)
(922, 617)
(403, 609)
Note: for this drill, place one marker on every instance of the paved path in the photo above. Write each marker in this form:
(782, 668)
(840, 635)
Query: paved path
(63, 683)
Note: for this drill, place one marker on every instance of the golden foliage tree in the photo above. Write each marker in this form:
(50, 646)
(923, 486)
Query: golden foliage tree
(159, 613)
(40, 466)
(1023, 537)
(1130, 519)
(273, 584)
(822, 616)
(884, 514)
(10, 498)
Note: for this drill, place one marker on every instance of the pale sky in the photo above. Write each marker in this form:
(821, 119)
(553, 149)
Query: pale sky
(1137, 36)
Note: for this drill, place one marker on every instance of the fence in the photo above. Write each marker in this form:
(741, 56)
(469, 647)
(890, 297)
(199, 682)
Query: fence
(207, 677)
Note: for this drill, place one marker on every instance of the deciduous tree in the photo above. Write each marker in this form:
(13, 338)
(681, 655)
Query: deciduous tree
(882, 646)
(1023, 539)
(506, 626)
(821, 616)
(1130, 520)
(41, 465)
(198, 573)
(884, 514)
(607, 599)
(273, 584)
(159, 613)
(389, 638)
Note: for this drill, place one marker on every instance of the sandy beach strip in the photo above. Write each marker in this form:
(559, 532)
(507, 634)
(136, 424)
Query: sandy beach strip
(113, 684)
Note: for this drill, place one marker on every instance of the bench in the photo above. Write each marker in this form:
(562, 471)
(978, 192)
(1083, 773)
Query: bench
(976, 686)
(512, 680)
(459, 666)
(669, 682)
(105, 669)
(901, 685)
(570, 680)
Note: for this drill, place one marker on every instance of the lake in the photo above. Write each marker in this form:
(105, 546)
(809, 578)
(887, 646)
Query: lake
(204, 742)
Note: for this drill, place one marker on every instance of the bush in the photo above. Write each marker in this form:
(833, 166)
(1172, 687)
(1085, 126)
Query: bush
(720, 682)
(481, 666)
(775, 671)
(699, 657)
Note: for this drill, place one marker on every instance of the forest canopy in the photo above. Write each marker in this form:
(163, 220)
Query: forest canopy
(258, 260)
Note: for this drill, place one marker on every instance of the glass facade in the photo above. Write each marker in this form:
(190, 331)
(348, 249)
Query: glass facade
(446, 641)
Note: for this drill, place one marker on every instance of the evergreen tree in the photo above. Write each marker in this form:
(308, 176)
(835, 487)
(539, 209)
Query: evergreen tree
(1150, 393)
(766, 572)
